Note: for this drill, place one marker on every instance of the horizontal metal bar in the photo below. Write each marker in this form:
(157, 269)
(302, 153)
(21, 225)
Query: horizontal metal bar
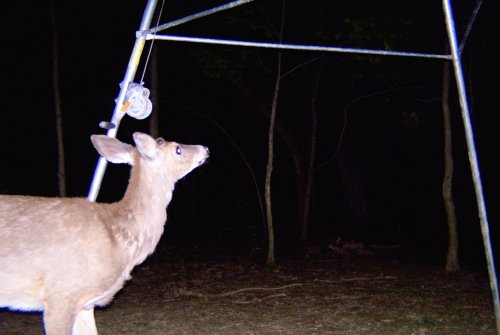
(285, 46)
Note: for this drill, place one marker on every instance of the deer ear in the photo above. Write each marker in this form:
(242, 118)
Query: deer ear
(146, 145)
(112, 149)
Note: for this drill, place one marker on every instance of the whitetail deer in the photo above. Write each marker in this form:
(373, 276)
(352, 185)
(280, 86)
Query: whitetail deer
(63, 256)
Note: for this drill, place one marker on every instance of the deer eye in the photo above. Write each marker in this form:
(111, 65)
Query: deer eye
(160, 141)
(178, 150)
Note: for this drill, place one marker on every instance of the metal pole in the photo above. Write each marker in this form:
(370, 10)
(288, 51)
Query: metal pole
(198, 15)
(128, 78)
(286, 46)
(457, 66)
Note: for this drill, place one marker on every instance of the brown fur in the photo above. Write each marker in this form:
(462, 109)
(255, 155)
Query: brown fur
(63, 256)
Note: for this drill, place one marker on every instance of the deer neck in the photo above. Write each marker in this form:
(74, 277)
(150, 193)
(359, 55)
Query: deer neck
(148, 192)
(144, 213)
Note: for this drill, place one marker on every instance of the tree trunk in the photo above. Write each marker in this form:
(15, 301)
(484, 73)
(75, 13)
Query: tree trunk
(452, 264)
(155, 90)
(270, 158)
(269, 168)
(61, 167)
(304, 233)
(291, 145)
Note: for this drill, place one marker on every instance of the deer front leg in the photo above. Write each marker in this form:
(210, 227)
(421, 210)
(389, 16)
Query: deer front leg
(58, 319)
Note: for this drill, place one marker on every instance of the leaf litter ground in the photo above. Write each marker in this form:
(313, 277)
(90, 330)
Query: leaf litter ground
(197, 291)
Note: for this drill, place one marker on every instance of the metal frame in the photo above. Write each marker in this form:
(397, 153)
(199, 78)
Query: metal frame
(146, 33)
(127, 79)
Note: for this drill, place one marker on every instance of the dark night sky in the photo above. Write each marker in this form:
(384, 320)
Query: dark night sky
(392, 143)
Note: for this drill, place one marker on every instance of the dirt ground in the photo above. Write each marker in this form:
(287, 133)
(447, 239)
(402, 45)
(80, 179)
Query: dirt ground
(192, 292)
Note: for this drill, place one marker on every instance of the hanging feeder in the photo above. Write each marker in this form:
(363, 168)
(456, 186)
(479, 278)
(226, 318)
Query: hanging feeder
(137, 103)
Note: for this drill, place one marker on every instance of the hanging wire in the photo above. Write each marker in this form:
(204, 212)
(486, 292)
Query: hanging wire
(151, 45)
(469, 26)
